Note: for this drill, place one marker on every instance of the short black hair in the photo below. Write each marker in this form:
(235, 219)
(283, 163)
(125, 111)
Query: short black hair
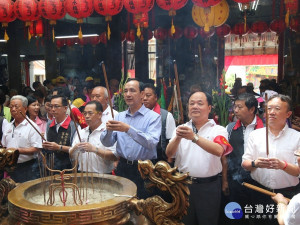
(62, 91)
(64, 100)
(46, 82)
(250, 101)
(151, 86)
(141, 84)
(36, 84)
(283, 98)
(99, 107)
(48, 98)
(208, 97)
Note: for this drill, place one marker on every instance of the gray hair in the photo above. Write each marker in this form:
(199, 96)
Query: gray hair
(22, 98)
(105, 90)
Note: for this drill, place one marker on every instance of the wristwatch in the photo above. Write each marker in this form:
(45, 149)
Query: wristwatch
(196, 138)
(253, 164)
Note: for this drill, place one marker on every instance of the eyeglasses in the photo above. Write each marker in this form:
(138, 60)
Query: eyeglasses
(238, 107)
(88, 113)
(54, 106)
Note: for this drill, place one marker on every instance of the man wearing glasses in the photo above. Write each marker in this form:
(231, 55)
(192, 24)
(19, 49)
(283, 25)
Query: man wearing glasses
(59, 134)
(21, 135)
(93, 155)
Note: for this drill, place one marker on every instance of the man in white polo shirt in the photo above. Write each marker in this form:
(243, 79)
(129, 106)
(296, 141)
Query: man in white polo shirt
(21, 135)
(95, 157)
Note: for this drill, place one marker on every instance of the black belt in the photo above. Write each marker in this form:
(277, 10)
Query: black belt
(203, 180)
(129, 162)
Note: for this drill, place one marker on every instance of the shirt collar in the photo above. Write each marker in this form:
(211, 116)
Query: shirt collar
(141, 110)
(210, 123)
(106, 111)
(101, 127)
(156, 108)
(64, 124)
(23, 123)
(257, 121)
(285, 128)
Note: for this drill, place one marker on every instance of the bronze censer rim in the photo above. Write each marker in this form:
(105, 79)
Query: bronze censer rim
(23, 210)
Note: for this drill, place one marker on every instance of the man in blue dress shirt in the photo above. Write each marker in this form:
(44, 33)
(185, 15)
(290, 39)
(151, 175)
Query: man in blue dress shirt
(137, 132)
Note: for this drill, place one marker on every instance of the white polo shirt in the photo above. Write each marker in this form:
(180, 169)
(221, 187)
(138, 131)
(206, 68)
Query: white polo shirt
(191, 158)
(106, 115)
(281, 147)
(91, 161)
(292, 215)
(22, 136)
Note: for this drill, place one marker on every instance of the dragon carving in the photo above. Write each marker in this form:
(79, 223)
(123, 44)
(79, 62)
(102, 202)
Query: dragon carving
(8, 161)
(165, 178)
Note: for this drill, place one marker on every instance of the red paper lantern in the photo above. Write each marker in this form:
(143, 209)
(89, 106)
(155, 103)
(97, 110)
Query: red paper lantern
(79, 9)
(277, 26)
(83, 41)
(259, 27)
(71, 41)
(93, 40)
(190, 32)
(178, 33)
(37, 28)
(160, 33)
(138, 6)
(26, 10)
(295, 24)
(206, 3)
(103, 38)
(108, 8)
(52, 10)
(291, 6)
(240, 29)
(7, 15)
(60, 43)
(130, 35)
(223, 31)
(208, 34)
(6, 11)
(141, 19)
(171, 5)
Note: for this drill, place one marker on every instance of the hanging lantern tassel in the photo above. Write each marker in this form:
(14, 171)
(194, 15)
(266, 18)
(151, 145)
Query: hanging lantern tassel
(29, 35)
(259, 36)
(53, 34)
(287, 17)
(80, 33)
(108, 31)
(173, 30)
(6, 38)
(138, 32)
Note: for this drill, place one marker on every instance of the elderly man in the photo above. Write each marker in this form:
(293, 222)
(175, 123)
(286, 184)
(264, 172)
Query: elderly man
(277, 171)
(197, 147)
(167, 120)
(96, 157)
(59, 133)
(137, 132)
(21, 135)
(100, 95)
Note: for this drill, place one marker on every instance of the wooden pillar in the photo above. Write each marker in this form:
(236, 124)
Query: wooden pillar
(280, 57)
(50, 59)
(141, 58)
(14, 61)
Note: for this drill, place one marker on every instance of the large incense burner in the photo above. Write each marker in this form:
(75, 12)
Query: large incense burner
(115, 209)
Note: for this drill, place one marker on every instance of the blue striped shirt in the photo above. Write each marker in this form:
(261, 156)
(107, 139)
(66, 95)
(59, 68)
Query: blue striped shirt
(140, 141)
